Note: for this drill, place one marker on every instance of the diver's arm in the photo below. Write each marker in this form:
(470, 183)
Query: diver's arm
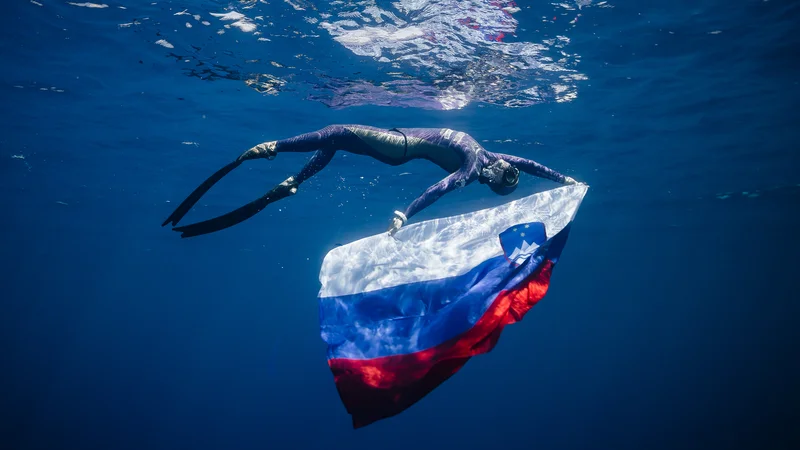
(536, 169)
(433, 193)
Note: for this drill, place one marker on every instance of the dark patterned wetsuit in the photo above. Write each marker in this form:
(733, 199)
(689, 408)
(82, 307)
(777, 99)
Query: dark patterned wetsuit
(455, 152)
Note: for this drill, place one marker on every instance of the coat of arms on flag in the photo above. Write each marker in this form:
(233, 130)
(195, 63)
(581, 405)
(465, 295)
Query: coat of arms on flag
(521, 241)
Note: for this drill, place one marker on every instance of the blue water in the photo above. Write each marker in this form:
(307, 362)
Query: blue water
(671, 321)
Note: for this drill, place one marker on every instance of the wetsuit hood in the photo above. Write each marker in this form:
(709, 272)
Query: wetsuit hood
(501, 177)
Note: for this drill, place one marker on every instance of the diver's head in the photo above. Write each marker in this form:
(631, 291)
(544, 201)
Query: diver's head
(501, 177)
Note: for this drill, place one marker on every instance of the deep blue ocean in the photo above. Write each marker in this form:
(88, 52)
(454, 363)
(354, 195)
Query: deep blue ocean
(672, 317)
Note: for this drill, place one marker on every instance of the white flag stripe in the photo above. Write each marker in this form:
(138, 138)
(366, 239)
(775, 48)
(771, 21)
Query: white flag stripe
(441, 248)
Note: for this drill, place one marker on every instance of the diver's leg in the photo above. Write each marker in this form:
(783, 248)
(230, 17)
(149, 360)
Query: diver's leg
(317, 162)
(327, 138)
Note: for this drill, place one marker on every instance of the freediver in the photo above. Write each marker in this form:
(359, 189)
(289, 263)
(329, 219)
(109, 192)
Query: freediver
(456, 152)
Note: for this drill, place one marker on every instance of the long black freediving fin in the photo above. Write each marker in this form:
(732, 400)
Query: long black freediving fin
(187, 204)
(239, 215)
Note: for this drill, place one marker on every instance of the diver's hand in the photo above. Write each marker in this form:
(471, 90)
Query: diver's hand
(263, 150)
(398, 221)
(569, 180)
(396, 224)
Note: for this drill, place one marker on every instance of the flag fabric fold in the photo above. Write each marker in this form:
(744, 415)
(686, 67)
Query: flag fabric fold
(401, 315)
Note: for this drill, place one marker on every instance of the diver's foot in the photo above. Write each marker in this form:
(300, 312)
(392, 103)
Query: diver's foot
(286, 189)
(263, 150)
(289, 185)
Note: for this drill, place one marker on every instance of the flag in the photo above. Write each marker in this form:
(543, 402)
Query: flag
(400, 315)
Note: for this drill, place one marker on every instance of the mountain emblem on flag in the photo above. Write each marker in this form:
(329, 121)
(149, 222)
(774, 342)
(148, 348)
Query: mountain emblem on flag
(520, 241)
